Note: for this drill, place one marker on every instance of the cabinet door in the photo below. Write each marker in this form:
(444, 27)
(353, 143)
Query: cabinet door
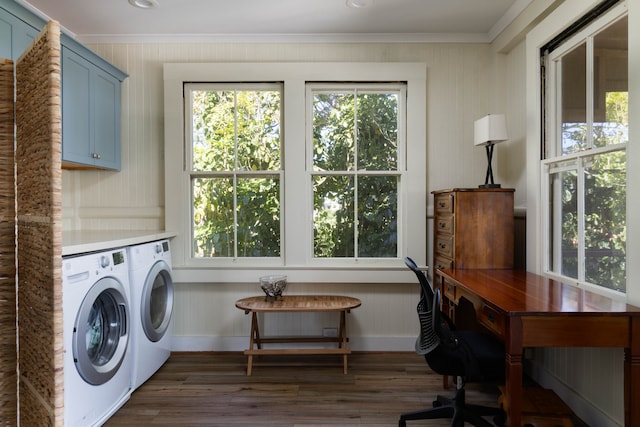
(15, 36)
(5, 37)
(91, 114)
(106, 120)
(76, 109)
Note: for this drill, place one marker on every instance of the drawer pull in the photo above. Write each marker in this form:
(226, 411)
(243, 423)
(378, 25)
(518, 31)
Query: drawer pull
(442, 205)
(490, 318)
(442, 224)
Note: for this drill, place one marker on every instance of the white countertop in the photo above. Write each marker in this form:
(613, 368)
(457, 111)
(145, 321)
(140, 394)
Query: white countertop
(77, 242)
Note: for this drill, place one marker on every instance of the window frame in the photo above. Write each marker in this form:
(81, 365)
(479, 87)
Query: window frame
(296, 260)
(399, 172)
(234, 173)
(553, 159)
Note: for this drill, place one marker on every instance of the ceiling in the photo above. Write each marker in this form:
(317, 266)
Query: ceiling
(279, 20)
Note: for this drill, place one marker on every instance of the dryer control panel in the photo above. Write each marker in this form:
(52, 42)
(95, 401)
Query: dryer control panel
(162, 247)
(118, 258)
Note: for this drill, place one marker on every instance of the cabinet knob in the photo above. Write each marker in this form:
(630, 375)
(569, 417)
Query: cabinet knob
(96, 155)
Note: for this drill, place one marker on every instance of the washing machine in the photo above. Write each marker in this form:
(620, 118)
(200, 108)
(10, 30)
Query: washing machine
(96, 334)
(152, 308)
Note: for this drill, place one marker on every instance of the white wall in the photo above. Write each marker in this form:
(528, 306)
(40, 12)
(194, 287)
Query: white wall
(458, 81)
(206, 317)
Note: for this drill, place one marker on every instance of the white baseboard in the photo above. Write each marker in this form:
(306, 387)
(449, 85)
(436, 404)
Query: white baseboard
(201, 343)
(585, 410)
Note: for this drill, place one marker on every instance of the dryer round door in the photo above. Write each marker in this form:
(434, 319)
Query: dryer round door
(101, 332)
(156, 306)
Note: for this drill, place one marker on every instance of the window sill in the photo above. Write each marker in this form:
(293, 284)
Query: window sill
(391, 273)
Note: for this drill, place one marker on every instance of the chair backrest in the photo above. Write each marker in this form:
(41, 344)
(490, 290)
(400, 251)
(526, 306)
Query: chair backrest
(440, 326)
(428, 340)
(446, 349)
(425, 286)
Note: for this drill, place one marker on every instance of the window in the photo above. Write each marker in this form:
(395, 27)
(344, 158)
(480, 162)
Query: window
(303, 169)
(585, 165)
(235, 169)
(355, 169)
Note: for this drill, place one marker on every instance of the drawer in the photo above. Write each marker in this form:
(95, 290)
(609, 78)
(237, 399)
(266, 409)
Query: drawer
(444, 224)
(444, 246)
(442, 263)
(492, 319)
(449, 290)
(444, 203)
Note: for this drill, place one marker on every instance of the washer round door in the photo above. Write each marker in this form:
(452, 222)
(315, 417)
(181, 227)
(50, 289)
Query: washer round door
(101, 332)
(156, 306)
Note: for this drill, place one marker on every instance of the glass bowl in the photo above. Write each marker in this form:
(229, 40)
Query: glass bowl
(273, 286)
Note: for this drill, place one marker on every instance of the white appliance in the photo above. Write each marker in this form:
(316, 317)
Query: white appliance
(152, 308)
(97, 356)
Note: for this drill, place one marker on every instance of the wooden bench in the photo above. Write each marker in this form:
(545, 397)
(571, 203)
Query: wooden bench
(297, 303)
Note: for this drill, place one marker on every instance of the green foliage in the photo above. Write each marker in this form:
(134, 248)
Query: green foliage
(604, 204)
(236, 146)
(236, 154)
(355, 207)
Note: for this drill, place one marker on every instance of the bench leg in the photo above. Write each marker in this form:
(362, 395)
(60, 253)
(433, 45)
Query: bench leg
(343, 339)
(253, 339)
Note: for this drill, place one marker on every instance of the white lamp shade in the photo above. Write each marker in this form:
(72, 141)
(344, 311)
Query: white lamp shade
(490, 129)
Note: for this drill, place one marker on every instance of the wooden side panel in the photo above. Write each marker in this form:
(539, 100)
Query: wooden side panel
(576, 331)
(8, 388)
(484, 229)
(39, 182)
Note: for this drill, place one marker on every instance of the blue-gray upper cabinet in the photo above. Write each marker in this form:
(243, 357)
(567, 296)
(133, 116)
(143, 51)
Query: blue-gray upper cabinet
(15, 36)
(90, 115)
(91, 89)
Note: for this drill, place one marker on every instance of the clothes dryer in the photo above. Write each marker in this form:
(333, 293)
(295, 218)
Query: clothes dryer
(152, 295)
(97, 356)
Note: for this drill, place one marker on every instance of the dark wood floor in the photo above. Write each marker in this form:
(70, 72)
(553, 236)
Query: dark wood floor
(212, 389)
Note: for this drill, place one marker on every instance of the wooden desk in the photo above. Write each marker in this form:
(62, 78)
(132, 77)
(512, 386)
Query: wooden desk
(297, 303)
(528, 310)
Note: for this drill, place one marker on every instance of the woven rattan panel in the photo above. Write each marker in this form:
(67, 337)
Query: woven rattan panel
(39, 177)
(8, 388)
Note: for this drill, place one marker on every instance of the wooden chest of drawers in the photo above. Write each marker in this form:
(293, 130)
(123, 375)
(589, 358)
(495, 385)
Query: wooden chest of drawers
(473, 228)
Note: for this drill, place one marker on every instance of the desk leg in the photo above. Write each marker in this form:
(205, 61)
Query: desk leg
(343, 339)
(632, 376)
(253, 339)
(448, 308)
(513, 378)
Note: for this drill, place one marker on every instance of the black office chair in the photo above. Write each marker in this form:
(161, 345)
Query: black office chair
(469, 355)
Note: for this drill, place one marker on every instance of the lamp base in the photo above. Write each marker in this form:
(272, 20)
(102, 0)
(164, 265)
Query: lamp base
(489, 186)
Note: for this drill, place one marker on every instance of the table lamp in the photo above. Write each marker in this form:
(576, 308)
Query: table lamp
(488, 131)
